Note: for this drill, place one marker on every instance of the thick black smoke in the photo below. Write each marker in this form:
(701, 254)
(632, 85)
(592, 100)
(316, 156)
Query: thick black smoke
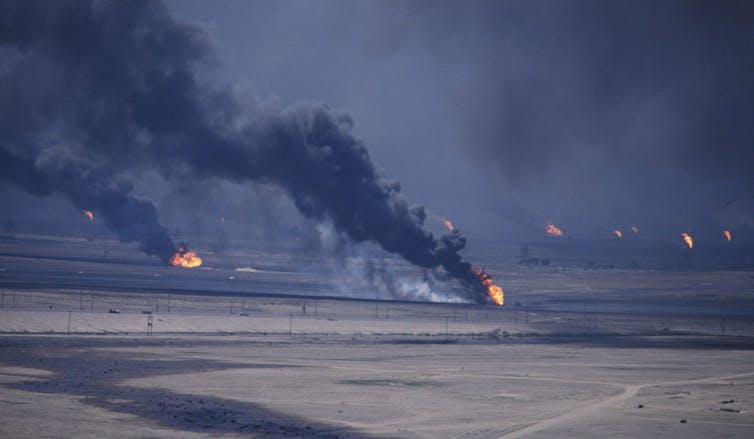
(131, 218)
(96, 92)
(592, 114)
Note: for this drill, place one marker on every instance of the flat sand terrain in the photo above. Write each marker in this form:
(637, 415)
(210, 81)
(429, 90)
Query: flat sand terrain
(415, 372)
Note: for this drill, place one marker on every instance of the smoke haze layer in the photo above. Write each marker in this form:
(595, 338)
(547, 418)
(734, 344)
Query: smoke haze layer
(98, 93)
(593, 115)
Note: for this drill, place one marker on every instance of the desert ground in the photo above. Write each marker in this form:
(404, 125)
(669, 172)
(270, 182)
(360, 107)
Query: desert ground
(576, 352)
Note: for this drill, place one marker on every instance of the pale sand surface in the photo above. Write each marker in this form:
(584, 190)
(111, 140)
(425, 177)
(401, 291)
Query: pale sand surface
(86, 322)
(345, 381)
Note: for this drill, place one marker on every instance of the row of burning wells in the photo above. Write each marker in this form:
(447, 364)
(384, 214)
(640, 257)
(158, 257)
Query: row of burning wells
(494, 293)
(182, 257)
(552, 230)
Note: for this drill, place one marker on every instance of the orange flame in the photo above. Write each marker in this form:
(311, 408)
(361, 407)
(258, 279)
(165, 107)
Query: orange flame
(687, 238)
(494, 292)
(448, 224)
(726, 232)
(635, 230)
(554, 231)
(89, 215)
(185, 259)
(618, 233)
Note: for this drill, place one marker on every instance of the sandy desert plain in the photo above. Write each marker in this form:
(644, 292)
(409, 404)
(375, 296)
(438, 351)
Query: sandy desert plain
(576, 352)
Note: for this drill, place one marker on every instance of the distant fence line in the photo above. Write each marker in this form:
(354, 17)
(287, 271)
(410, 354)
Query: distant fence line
(589, 319)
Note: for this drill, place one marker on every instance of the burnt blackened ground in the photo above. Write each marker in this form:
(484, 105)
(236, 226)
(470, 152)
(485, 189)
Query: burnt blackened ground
(86, 367)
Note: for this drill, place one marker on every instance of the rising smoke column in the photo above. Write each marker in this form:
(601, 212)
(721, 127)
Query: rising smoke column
(132, 219)
(95, 89)
(64, 98)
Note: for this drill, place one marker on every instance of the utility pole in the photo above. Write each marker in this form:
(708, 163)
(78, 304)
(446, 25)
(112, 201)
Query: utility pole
(446, 328)
(583, 313)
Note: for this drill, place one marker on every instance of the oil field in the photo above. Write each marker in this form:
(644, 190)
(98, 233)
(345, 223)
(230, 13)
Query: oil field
(536, 219)
(128, 347)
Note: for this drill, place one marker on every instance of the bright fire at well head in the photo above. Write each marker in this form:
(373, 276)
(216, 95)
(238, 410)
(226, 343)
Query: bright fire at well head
(448, 225)
(89, 214)
(727, 234)
(618, 233)
(185, 259)
(553, 231)
(494, 292)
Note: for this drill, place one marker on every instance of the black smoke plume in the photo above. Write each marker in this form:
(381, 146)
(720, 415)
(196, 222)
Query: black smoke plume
(93, 92)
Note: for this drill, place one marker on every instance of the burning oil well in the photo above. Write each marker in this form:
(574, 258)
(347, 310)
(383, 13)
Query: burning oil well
(130, 101)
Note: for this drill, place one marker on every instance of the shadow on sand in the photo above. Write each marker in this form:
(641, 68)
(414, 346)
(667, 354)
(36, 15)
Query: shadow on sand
(97, 375)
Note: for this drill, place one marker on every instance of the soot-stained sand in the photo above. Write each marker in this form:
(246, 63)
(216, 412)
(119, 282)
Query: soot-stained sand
(91, 376)
(369, 386)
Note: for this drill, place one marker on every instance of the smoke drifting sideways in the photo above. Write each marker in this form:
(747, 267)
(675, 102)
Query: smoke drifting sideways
(96, 92)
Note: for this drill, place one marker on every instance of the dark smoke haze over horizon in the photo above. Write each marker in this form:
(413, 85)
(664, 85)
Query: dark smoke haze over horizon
(102, 91)
(505, 115)
(501, 116)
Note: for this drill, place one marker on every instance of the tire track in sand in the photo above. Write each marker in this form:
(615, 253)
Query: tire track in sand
(629, 391)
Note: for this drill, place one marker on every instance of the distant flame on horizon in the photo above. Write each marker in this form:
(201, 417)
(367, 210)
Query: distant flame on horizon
(687, 239)
(635, 230)
(727, 234)
(553, 231)
(618, 233)
(448, 225)
(89, 214)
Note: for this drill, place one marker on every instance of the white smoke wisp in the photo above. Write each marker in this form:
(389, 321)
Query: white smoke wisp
(423, 292)
(362, 276)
